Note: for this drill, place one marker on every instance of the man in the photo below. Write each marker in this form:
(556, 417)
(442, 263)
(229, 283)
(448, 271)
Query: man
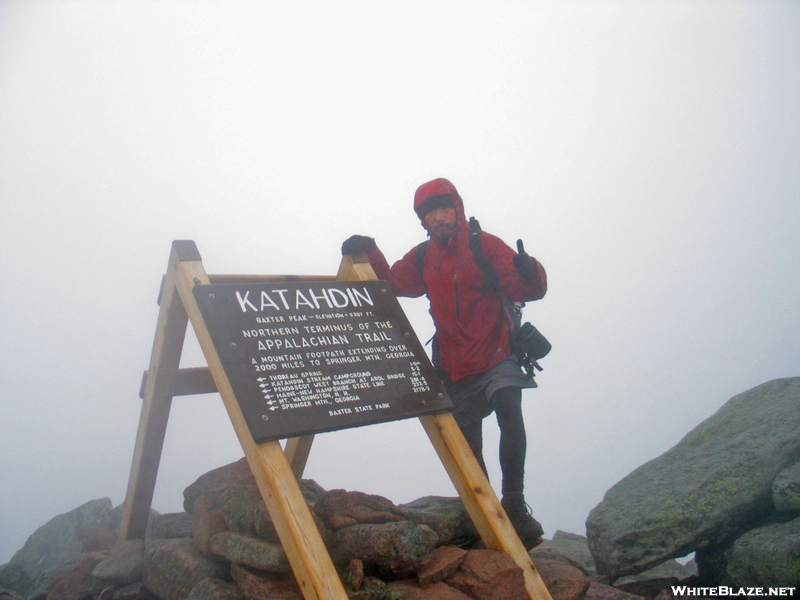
(473, 330)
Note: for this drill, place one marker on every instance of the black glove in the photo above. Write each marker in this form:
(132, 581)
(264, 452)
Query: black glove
(523, 263)
(357, 244)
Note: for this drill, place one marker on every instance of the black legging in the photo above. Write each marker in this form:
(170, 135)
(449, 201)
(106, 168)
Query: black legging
(507, 403)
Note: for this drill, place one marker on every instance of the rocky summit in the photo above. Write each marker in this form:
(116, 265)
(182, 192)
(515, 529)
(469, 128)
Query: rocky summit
(729, 491)
(224, 547)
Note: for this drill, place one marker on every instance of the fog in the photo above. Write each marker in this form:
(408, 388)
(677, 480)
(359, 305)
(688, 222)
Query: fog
(648, 153)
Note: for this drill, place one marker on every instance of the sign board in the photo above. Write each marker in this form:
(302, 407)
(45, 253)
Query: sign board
(308, 357)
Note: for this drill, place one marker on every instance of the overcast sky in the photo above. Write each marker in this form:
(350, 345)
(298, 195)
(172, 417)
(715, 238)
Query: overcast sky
(648, 153)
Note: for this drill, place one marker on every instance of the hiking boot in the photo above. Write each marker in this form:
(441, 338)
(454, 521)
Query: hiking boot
(528, 529)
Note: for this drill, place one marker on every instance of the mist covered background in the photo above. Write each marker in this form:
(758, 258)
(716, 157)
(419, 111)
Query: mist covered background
(648, 153)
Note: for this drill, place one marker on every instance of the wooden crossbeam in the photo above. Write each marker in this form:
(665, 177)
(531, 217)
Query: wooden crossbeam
(267, 278)
(188, 382)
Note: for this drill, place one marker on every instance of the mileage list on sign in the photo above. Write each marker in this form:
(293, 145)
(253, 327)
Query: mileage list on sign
(309, 357)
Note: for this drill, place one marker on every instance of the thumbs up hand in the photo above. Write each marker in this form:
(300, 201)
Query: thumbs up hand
(523, 263)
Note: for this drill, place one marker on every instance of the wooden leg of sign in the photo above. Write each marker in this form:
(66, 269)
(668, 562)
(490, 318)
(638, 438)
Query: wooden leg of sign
(297, 451)
(479, 498)
(290, 514)
(158, 391)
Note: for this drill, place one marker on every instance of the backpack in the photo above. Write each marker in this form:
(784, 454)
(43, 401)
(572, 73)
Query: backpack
(527, 342)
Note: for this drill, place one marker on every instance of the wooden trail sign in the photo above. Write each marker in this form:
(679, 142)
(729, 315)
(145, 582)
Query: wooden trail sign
(185, 298)
(307, 357)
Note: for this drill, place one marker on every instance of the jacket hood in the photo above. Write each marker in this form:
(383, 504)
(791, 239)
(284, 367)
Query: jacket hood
(438, 187)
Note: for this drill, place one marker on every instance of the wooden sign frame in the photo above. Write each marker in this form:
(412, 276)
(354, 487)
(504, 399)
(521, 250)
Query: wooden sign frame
(277, 469)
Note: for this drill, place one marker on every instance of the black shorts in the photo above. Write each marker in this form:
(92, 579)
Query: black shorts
(472, 399)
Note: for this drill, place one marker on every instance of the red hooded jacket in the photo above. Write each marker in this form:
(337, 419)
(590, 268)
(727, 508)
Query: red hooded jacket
(471, 325)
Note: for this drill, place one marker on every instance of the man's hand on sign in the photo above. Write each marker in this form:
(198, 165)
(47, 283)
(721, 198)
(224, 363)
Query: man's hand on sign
(523, 263)
(357, 244)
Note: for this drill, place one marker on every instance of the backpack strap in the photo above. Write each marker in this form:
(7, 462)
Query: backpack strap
(490, 279)
(511, 311)
(419, 256)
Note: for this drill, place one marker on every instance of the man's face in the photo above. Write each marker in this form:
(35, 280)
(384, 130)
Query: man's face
(441, 222)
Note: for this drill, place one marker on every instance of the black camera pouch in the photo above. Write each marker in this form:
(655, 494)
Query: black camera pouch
(531, 341)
